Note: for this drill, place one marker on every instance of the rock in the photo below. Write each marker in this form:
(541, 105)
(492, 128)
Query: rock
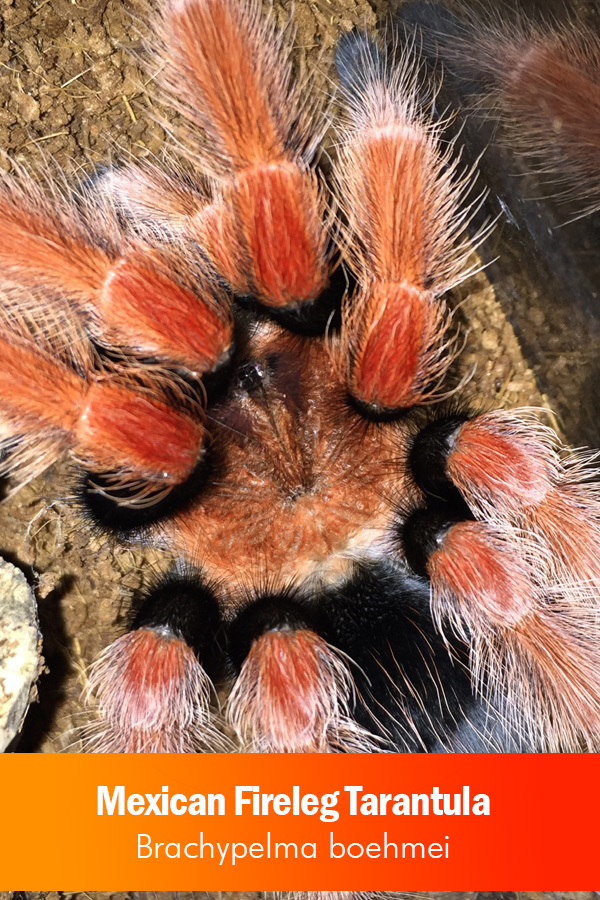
(20, 645)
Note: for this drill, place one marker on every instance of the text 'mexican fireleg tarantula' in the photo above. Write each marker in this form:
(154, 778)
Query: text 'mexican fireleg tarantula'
(250, 363)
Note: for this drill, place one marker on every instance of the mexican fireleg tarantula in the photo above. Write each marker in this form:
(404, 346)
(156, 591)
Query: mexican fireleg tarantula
(251, 368)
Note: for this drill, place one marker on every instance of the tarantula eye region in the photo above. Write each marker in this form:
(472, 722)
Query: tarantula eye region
(251, 376)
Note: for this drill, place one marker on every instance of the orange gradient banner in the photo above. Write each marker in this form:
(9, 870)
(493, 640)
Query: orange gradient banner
(538, 825)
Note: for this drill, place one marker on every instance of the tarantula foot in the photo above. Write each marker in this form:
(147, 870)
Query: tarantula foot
(148, 689)
(393, 330)
(142, 437)
(534, 643)
(478, 575)
(513, 471)
(293, 691)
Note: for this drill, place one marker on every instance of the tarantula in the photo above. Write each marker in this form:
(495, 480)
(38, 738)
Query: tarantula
(250, 363)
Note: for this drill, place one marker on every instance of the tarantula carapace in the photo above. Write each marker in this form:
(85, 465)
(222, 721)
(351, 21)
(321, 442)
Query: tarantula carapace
(252, 365)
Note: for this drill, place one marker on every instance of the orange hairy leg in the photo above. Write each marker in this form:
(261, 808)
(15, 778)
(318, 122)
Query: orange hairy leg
(122, 429)
(525, 638)
(137, 685)
(398, 325)
(403, 234)
(475, 566)
(110, 425)
(136, 300)
(515, 473)
(544, 84)
(268, 208)
(37, 390)
(290, 694)
(149, 689)
(263, 233)
(294, 691)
